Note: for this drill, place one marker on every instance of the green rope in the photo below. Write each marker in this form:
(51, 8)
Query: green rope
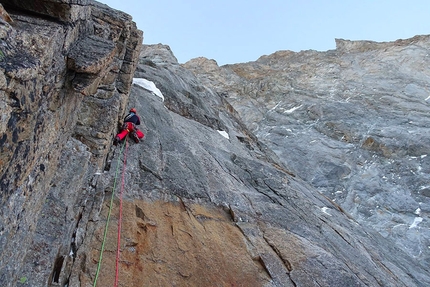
(108, 218)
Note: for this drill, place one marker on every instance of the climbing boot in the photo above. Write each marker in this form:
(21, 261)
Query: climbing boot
(116, 140)
(135, 137)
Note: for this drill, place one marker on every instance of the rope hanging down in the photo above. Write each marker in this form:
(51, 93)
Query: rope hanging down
(108, 217)
(120, 219)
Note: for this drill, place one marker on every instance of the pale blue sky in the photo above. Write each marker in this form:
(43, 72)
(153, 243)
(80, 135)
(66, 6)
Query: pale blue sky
(237, 31)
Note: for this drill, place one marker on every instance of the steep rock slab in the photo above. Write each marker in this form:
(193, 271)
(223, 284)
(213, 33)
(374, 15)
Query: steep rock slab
(53, 112)
(186, 180)
(354, 122)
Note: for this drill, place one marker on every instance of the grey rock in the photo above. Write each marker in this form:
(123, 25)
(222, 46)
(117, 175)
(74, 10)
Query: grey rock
(353, 122)
(205, 201)
(295, 233)
(63, 10)
(50, 149)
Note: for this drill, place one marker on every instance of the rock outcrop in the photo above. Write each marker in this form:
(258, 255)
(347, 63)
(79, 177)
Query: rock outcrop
(353, 122)
(203, 207)
(204, 201)
(66, 72)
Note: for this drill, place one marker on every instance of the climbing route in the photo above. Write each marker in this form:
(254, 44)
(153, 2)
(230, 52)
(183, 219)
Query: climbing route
(124, 145)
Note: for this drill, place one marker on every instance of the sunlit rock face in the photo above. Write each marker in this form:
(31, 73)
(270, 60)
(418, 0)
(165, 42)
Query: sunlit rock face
(353, 122)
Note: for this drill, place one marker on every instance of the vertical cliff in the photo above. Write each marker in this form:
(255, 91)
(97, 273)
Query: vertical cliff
(205, 202)
(66, 71)
(354, 122)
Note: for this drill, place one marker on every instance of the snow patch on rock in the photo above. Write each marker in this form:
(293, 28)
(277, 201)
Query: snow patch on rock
(224, 134)
(148, 85)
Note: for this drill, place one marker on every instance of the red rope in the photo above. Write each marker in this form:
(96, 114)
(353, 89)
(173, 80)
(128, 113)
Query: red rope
(120, 218)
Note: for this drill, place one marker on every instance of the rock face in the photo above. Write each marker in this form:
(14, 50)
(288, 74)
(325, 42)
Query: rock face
(66, 69)
(204, 202)
(202, 209)
(353, 122)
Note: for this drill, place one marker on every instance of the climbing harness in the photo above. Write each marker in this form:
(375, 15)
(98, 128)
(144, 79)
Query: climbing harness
(108, 218)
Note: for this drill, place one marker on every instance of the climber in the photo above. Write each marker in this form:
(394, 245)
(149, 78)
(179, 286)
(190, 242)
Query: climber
(129, 126)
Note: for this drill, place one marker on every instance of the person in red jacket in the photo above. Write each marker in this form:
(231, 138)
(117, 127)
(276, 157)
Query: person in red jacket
(129, 127)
